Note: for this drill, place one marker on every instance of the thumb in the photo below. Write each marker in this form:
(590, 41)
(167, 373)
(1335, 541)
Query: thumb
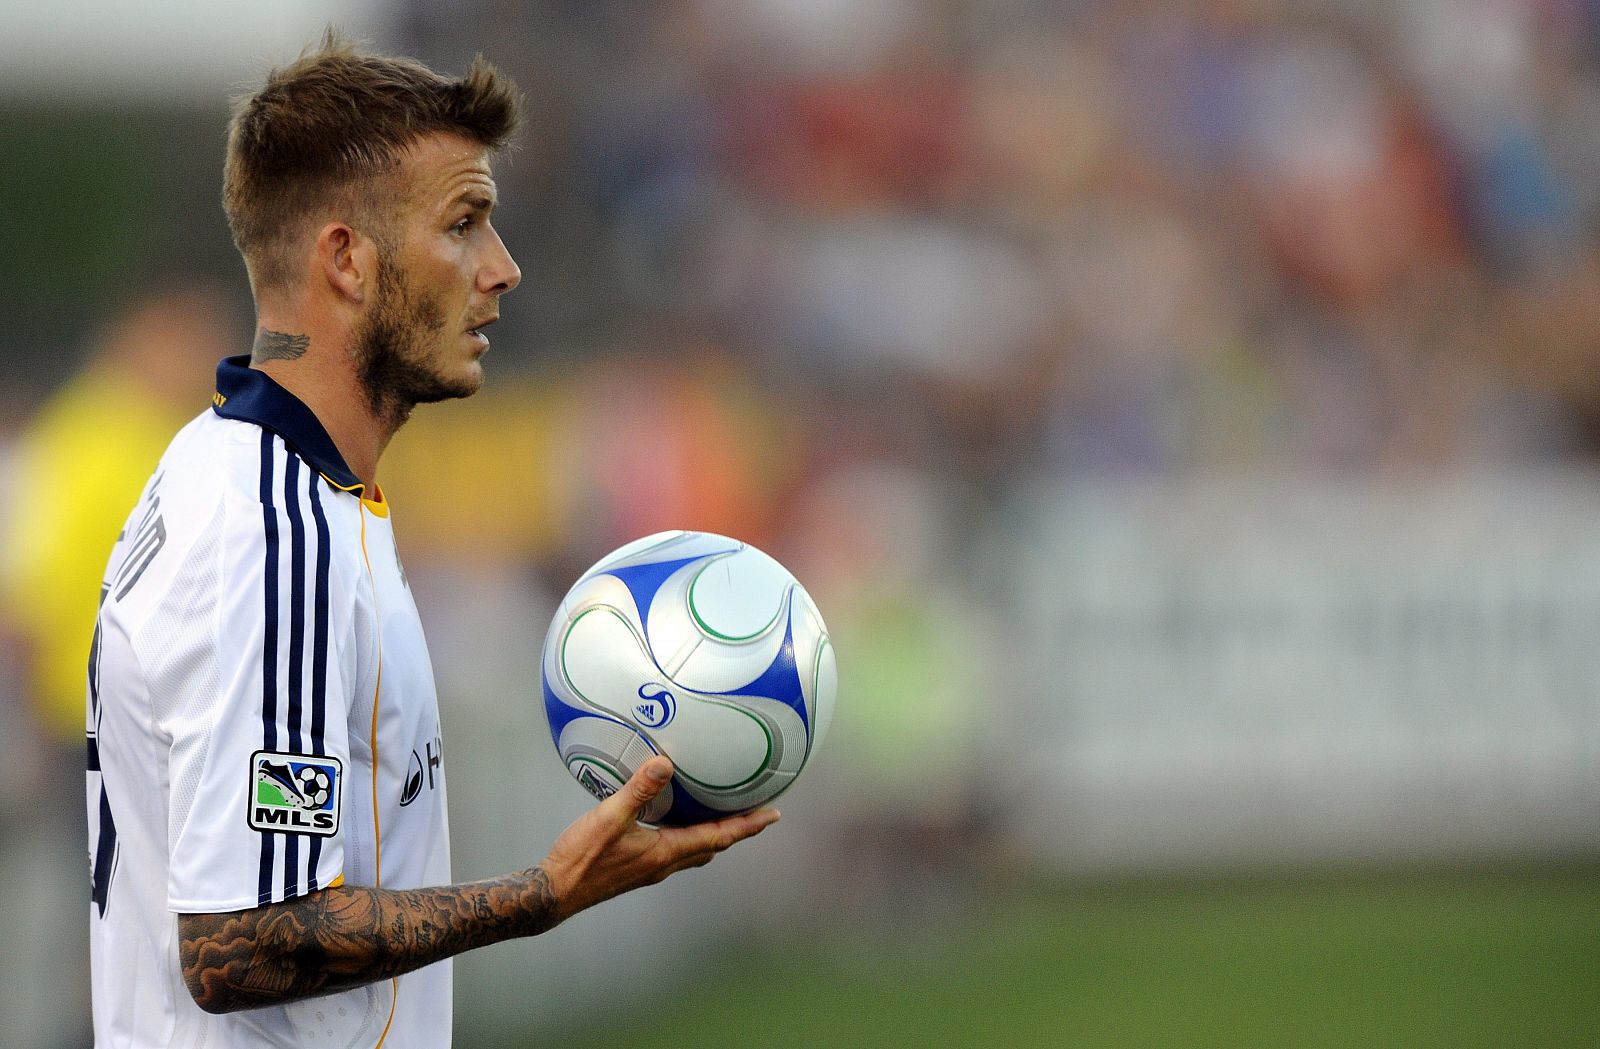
(645, 784)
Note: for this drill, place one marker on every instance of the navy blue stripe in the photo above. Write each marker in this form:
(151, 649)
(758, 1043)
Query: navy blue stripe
(105, 852)
(269, 650)
(297, 596)
(94, 663)
(319, 626)
(297, 646)
(319, 659)
(291, 865)
(94, 673)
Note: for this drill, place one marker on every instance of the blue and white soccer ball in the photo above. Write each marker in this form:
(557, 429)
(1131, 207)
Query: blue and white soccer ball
(698, 647)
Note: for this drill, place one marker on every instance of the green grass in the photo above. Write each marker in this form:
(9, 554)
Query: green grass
(1414, 961)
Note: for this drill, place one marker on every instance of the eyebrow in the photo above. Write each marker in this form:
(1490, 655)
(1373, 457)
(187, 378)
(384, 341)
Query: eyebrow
(476, 201)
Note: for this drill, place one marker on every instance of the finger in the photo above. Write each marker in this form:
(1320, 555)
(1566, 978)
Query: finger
(641, 789)
(748, 824)
(713, 837)
(698, 845)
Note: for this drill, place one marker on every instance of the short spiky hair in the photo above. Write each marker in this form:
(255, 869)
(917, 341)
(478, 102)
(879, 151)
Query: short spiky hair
(324, 129)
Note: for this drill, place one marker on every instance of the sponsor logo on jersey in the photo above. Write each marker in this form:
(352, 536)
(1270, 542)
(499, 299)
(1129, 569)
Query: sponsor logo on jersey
(423, 772)
(413, 785)
(295, 793)
(657, 708)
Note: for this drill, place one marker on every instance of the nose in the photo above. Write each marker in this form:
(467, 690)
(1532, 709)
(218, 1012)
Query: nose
(500, 274)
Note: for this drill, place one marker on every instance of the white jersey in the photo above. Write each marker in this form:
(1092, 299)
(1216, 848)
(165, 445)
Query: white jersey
(262, 724)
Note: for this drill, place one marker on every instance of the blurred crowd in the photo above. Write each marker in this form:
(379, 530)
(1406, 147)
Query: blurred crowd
(1075, 236)
(839, 278)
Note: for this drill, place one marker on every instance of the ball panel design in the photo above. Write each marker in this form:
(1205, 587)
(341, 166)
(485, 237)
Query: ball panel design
(600, 736)
(713, 742)
(808, 634)
(725, 803)
(721, 666)
(725, 757)
(698, 647)
(639, 549)
(668, 628)
(602, 755)
(826, 676)
(740, 596)
(604, 662)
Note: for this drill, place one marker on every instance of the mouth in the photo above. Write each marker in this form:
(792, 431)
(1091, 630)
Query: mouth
(476, 331)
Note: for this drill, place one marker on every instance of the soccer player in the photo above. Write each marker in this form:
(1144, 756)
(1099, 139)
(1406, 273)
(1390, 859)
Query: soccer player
(266, 788)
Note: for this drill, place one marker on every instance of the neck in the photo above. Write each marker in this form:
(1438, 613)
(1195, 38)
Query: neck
(318, 365)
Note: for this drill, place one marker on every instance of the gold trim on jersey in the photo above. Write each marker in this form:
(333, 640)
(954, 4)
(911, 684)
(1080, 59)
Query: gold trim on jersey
(379, 506)
(377, 831)
(357, 487)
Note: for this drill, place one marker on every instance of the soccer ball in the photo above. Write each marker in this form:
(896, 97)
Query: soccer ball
(314, 785)
(698, 647)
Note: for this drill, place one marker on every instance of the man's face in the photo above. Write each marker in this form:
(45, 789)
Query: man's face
(441, 273)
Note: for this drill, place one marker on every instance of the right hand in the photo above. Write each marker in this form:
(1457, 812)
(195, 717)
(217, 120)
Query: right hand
(607, 851)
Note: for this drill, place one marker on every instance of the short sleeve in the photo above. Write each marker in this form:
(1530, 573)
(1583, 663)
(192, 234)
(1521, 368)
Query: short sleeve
(257, 716)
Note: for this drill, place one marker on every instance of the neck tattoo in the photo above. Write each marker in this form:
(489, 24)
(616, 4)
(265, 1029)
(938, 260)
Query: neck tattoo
(278, 346)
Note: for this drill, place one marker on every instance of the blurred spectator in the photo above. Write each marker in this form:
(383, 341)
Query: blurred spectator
(82, 463)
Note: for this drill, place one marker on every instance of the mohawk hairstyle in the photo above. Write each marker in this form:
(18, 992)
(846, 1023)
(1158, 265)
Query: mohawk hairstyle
(324, 128)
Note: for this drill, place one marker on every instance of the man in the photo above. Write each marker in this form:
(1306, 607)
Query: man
(265, 871)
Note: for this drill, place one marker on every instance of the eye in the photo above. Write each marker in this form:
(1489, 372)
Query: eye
(460, 228)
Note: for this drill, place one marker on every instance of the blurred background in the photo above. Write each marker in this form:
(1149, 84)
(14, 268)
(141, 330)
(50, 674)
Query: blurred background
(1185, 414)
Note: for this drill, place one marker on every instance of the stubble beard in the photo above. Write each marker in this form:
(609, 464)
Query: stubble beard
(394, 360)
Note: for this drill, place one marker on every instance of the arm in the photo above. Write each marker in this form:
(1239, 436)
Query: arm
(334, 939)
(339, 938)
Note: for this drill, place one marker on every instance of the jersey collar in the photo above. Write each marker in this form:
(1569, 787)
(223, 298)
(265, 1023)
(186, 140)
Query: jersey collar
(252, 396)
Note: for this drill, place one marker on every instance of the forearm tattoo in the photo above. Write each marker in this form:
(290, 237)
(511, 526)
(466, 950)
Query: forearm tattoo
(278, 346)
(344, 937)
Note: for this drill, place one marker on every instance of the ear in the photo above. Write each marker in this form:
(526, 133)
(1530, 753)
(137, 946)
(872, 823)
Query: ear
(348, 261)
